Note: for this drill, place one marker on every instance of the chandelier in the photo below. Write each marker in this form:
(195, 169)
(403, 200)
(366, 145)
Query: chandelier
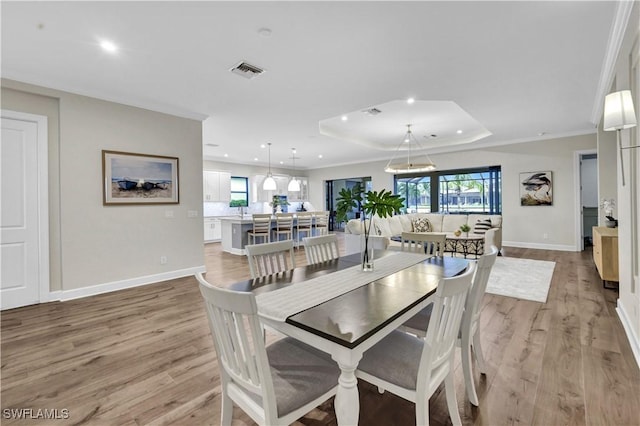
(419, 163)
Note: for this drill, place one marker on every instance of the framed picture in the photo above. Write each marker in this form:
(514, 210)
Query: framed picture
(131, 178)
(536, 189)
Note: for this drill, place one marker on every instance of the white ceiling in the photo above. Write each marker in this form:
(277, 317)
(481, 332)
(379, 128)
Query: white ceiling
(519, 68)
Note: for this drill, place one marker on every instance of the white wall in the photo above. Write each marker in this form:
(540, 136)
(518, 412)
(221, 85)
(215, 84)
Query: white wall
(589, 178)
(114, 246)
(607, 170)
(522, 226)
(627, 76)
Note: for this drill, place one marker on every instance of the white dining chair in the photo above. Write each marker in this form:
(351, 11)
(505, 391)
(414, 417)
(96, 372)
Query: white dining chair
(413, 368)
(321, 222)
(261, 228)
(270, 258)
(284, 226)
(274, 384)
(469, 336)
(304, 224)
(431, 243)
(321, 249)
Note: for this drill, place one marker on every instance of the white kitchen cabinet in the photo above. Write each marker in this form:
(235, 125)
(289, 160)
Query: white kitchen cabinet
(216, 186)
(303, 194)
(260, 195)
(282, 183)
(212, 229)
(257, 194)
(225, 186)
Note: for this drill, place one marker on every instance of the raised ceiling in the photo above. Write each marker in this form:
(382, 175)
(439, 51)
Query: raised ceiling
(520, 69)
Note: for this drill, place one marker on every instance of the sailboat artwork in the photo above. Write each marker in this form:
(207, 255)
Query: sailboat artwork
(139, 179)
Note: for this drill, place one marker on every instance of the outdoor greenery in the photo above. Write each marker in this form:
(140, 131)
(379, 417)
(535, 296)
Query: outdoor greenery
(475, 190)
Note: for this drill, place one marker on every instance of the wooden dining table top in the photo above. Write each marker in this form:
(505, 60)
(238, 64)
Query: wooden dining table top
(352, 317)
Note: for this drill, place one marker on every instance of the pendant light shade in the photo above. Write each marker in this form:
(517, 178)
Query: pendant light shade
(294, 184)
(269, 183)
(419, 163)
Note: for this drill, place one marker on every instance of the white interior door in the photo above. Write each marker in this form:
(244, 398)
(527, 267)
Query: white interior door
(22, 258)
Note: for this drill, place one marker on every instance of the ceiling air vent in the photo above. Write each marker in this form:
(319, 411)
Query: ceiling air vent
(372, 111)
(246, 70)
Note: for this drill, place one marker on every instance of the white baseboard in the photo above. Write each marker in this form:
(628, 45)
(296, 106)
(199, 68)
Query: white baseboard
(633, 339)
(124, 284)
(52, 296)
(559, 247)
(236, 251)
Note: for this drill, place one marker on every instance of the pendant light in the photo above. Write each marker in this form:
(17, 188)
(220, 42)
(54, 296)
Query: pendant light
(294, 184)
(411, 165)
(269, 183)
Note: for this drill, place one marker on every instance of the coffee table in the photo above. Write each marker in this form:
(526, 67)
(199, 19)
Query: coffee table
(465, 245)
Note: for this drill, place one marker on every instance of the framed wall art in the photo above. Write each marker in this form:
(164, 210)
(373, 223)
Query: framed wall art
(131, 178)
(536, 189)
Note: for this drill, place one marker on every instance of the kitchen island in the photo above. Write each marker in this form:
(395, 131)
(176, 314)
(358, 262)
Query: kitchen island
(235, 229)
(234, 233)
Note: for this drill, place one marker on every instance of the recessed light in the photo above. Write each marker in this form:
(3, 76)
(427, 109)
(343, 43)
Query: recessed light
(459, 132)
(344, 118)
(282, 162)
(319, 155)
(264, 32)
(212, 144)
(255, 159)
(410, 101)
(263, 146)
(108, 46)
(226, 155)
(542, 133)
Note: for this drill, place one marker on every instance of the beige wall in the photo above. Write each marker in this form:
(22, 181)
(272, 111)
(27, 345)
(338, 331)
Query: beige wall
(522, 226)
(627, 76)
(92, 244)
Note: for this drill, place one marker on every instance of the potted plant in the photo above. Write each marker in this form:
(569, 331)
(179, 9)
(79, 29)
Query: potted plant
(277, 203)
(381, 203)
(607, 205)
(465, 228)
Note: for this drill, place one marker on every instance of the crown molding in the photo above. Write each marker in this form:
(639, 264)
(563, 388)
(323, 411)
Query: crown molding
(616, 37)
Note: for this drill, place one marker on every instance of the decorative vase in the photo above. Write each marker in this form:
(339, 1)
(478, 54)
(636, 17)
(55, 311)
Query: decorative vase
(366, 252)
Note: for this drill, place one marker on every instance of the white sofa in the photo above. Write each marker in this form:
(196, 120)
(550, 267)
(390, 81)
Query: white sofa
(383, 229)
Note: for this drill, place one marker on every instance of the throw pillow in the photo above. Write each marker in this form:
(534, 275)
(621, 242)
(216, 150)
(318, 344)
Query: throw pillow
(421, 224)
(482, 226)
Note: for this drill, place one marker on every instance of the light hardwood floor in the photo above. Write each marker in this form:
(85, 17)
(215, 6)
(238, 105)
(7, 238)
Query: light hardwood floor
(145, 357)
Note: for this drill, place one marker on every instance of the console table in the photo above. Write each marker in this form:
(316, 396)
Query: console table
(605, 253)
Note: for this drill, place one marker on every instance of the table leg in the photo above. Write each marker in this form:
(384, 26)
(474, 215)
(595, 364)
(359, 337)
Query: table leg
(347, 401)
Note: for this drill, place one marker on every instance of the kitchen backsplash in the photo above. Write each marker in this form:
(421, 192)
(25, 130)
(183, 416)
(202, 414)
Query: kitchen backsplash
(223, 209)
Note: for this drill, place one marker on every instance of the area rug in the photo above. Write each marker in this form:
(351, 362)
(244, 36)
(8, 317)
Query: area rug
(521, 278)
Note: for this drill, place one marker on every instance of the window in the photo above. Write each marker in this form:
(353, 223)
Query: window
(239, 192)
(416, 192)
(465, 191)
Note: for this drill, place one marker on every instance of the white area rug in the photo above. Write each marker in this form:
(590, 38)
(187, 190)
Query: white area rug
(521, 278)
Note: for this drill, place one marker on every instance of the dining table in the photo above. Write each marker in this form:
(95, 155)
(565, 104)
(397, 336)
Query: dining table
(342, 310)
